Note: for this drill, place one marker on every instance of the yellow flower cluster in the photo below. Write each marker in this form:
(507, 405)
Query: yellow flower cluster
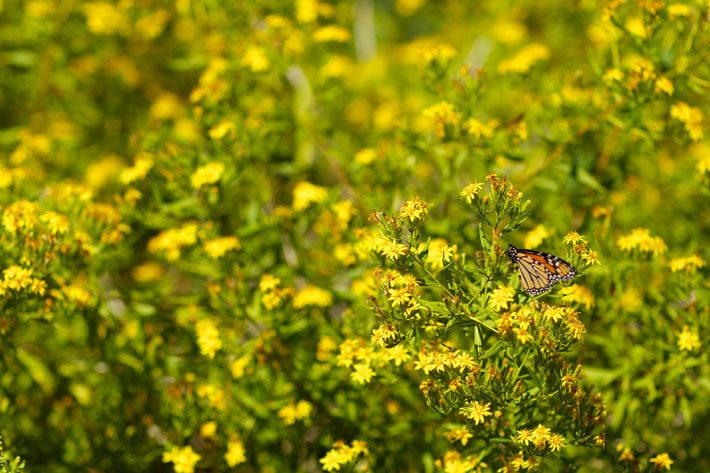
(207, 174)
(236, 453)
(641, 239)
(401, 290)
(295, 411)
(218, 247)
(331, 34)
(476, 411)
(439, 54)
(536, 236)
(501, 296)
(273, 293)
(576, 293)
(390, 248)
(184, 459)
(455, 462)
(524, 59)
(471, 191)
(688, 340)
(312, 296)
(354, 353)
(440, 116)
(20, 216)
(542, 437)
(435, 361)
(342, 453)
(106, 18)
(690, 117)
(526, 318)
(142, 166)
(690, 264)
(214, 394)
(18, 279)
(383, 334)
(480, 130)
(439, 254)
(305, 194)
(459, 433)
(208, 338)
(413, 210)
(171, 242)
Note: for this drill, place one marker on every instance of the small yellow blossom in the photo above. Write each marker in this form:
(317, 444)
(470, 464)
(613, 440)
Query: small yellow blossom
(172, 241)
(148, 272)
(222, 129)
(459, 434)
(572, 238)
(663, 85)
(183, 459)
(365, 156)
(440, 116)
(678, 10)
(382, 334)
(414, 209)
(689, 264)
(690, 117)
(612, 75)
(636, 27)
(255, 59)
(269, 282)
(556, 442)
(151, 26)
(342, 453)
(688, 340)
(440, 254)
(476, 411)
(305, 194)
(625, 453)
(238, 367)
(166, 106)
(641, 239)
(208, 338)
(77, 294)
(536, 236)
(207, 174)
(218, 247)
(703, 165)
(501, 296)
(479, 130)
(662, 460)
(236, 453)
(362, 373)
(306, 11)
(391, 249)
(20, 215)
(312, 296)
(471, 191)
(579, 294)
(524, 59)
(106, 18)
(332, 34)
(295, 411)
(139, 170)
(209, 429)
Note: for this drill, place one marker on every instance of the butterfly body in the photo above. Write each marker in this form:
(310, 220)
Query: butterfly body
(539, 271)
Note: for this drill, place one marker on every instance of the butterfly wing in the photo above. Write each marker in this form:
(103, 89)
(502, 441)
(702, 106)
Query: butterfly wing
(538, 270)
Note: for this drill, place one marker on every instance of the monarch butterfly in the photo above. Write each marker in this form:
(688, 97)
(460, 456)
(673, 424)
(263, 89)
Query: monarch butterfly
(539, 271)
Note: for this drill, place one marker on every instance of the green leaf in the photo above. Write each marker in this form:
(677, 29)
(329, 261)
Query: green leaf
(40, 373)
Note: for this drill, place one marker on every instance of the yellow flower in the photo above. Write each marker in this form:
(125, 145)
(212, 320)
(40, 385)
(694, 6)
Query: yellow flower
(306, 11)
(556, 442)
(612, 75)
(20, 215)
(471, 191)
(236, 453)
(678, 10)
(331, 33)
(476, 411)
(414, 209)
(77, 294)
(501, 296)
(365, 156)
(151, 26)
(295, 411)
(166, 106)
(148, 272)
(688, 340)
(106, 18)
(524, 436)
(459, 434)
(173, 240)
(440, 116)
(207, 174)
(208, 338)
(689, 264)
(662, 460)
(218, 247)
(663, 85)
(636, 27)
(140, 169)
(382, 334)
(510, 31)
(221, 130)
(214, 395)
(454, 462)
(572, 238)
(183, 459)
(641, 239)
(342, 453)
(524, 59)
(238, 367)
(703, 166)
(391, 249)
(536, 236)
(255, 59)
(408, 7)
(578, 294)
(362, 373)
(305, 194)
(209, 429)
(477, 129)
(312, 296)
(439, 254)
(690, 117)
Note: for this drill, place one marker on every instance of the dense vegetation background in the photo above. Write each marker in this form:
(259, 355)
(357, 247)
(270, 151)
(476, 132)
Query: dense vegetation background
(269, 235)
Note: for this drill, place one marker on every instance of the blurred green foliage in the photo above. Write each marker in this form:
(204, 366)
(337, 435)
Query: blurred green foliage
(193, 276)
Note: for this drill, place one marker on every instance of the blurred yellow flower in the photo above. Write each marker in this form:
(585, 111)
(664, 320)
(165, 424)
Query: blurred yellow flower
(524, 59)
(408, 7)
(678, 10)
(579, 294)
(142, 166)
(305, 194)
(641, 239)
(459, 434)
(536, 236)
(510, 31)
(236, 453)
(57, 223)
(77, 294)
(218, 247)
(306, 11)
(501, 296)
(688, 340)
(439, 254)
(342, 453)
(662, 460)
(365, 156)
(207, 174)
(612, 75)
(480, 130)
(690, 117)
(103, 171)
(295, 411)
(173, 240)
(255, 59)
(222, 129)
(312, 296)
(166, 106)
(106, 18)
(208, 338)
(148, 272)
(440, 116)
(152, 25)
(331, 33)
(238, 366)
(209, 429)
(184, 459)
(689, 263)
(663, 85)
(636, 27)
(362, 373)
(20, 215)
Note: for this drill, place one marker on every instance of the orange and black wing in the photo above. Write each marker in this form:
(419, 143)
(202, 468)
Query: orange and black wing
(538, 270)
